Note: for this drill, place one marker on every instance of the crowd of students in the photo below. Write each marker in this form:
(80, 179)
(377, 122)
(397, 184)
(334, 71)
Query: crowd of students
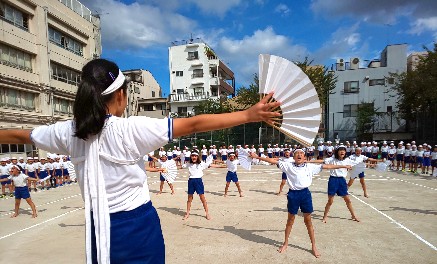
(49, 172)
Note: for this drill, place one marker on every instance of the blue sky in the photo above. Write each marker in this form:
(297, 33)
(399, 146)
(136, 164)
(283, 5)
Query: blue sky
(137, 34)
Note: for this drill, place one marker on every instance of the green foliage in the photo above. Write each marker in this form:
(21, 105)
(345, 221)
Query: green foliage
(211, 106)
(417, 89)
(248, 96)
(365, 117)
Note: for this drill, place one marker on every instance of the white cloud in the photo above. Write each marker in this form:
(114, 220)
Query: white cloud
(282, 9)
(215, 8)
(242, 54)
(424, 24)
(138, 25)
(345, 42)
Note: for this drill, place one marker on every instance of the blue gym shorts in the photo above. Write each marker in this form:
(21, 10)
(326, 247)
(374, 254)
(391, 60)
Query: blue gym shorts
(22, 192)
(204, 157)
(224, 157)
(161, 178)
(399, 157)
(136, 237)
(337, 185)
(299, 199)
(231, 176)
(284, 176)
(270, 155)
(195, 185)
(4, 177)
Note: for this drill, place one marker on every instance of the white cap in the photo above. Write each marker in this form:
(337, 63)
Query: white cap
(13, 158)
(20, 158)
(420, 146)
(392, 144)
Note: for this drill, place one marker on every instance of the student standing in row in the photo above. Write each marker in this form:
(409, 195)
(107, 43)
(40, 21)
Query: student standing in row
(299, 178)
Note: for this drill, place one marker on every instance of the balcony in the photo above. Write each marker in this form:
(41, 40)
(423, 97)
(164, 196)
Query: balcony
(185, 97)
(350, 91)
(197, 75)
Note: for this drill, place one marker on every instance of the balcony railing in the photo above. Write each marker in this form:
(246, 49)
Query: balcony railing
(197, 75)
(192, 58)
(350, 91)
(189, 97)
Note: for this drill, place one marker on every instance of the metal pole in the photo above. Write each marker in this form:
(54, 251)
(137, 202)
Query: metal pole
(244, 134)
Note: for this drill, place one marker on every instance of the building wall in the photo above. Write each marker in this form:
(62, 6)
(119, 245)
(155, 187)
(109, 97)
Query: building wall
(196, 74)
(43, 46)
(414, 58)
(145, 95)
(374, 85)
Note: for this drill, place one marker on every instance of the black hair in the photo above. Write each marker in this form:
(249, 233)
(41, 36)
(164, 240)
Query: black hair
(90, 109)
(198, 161)
(336, 152)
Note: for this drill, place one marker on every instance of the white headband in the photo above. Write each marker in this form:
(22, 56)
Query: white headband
(118, 82)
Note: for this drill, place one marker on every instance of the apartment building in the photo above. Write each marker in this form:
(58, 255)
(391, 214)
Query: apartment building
(367, 82)
(43, 47)
(196, 74)
(145, 95)
(414, 59)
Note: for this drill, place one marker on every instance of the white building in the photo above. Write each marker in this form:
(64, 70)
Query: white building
(414, 59)
(43, 47)
(196, 74)
(368, 83)
(144, 95)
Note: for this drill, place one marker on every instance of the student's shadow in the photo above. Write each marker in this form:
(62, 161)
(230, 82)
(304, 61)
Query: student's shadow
(215, 193)
(274, 209)
(176, 211)
(65, 225)
(320, 217)
(420, 211)
(262, 191)
(250, 235)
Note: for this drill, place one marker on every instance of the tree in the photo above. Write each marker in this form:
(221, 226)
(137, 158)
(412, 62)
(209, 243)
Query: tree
(248, 96)
(366, 115)
(211, 106)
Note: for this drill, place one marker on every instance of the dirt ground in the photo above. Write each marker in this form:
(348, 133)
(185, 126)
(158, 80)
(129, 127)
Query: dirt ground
(398, 222)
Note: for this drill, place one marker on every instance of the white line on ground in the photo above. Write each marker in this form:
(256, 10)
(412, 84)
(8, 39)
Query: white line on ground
(397, 223)
(46, 221)
(51, 202)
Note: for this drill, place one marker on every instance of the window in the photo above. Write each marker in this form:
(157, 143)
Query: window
(17, 148)
(148, 108)
(153, 93)
(391, 80)
(180, 91)
(351, 87)
(198, 90)
(197, 73)
(389, 108)
(63, 74)
(65, 41)
(62, 106)
(374, 82)
(193, 55)
(15, 58)
(14, 16)
(17, 99)
(179, 73)
(182, 111)
(350, 110)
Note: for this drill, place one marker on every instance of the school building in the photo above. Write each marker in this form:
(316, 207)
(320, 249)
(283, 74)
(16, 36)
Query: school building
(196, 74)
(367, 82)
(43, 47)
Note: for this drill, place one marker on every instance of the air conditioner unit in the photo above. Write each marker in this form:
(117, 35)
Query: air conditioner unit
(354, 63)
(340, 65)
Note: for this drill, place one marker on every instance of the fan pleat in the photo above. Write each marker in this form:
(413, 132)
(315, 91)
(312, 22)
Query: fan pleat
(300, 105)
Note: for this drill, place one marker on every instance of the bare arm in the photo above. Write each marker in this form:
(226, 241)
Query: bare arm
(15, 136)
(156, 169)
(333, 167)
(217, 166)
(269, 160)
(262, 111)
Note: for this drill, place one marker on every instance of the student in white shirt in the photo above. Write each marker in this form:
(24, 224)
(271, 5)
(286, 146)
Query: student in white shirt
(108, 151)
(337, 182)
(287, 158)
(392, 155)
(434, 160)
(4, 174)
(150, 159)
(426, 159)
(299, 178)
(195, 183)
(21, 189)
(357, 157)
(162, 161)
(260, 150)
(231, 175)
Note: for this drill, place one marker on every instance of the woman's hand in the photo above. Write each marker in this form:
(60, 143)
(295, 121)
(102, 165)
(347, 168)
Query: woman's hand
(263, 110)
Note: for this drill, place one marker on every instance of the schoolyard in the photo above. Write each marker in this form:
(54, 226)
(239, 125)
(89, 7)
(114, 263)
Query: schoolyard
(398, 222)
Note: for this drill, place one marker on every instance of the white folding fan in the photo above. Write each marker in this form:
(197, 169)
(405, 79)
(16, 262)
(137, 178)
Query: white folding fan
(209, 160)
(300, 105)
(244, 159)
(357, 169)
(382, 166)
(171, 170)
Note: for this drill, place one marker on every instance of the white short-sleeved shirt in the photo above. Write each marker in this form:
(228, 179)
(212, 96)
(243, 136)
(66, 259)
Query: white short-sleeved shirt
(269, 150)
(195, 170)
(4, 170)
(123, 139)
(232, 165)
(261, 150)
(223, 152)
(45, 166)
(384, 149)
(375, 149)
(19, 180)
(339, 172)
(169, 153)
(204, 151)
(407, 152)
(289, 159)
(162, 153)
(433, 155)
(392, 151)
(426, 154)
(400, 150)
(419, 153)
(320, 148)
(413, 153)
(299, 177)
(358, 159)
(213, 151)
(329, 149)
